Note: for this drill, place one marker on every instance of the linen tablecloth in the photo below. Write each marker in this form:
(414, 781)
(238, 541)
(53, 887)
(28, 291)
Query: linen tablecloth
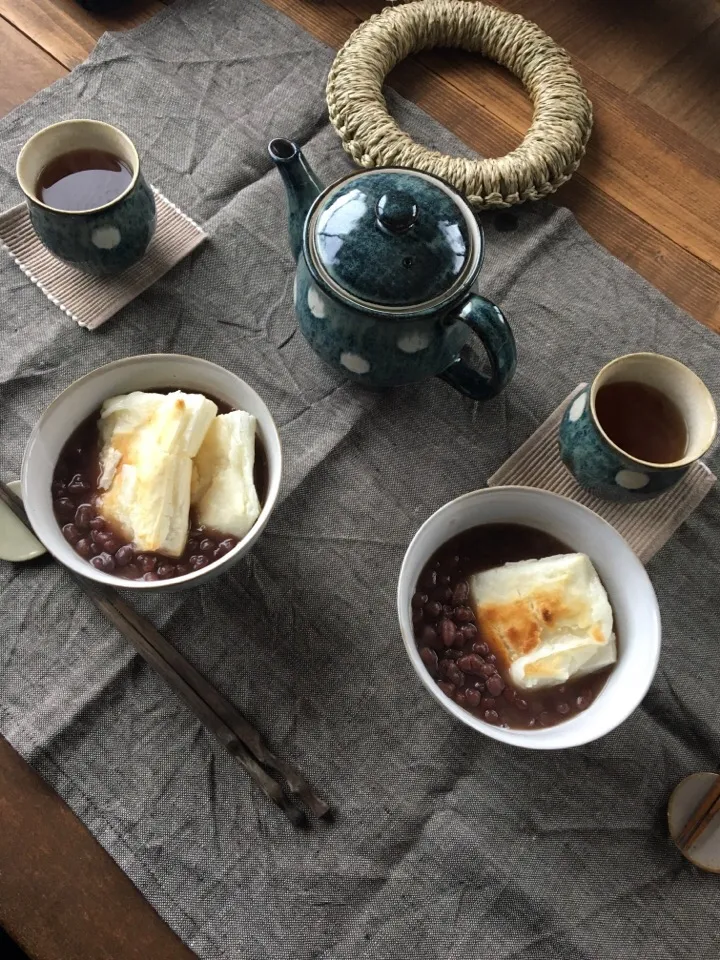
(446, 844)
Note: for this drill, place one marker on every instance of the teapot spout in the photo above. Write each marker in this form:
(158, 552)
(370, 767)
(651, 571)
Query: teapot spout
(301, 186)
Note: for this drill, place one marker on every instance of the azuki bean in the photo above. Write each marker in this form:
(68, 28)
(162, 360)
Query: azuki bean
(430, 659)
(447, 632)
(471, 663)
(124, 555)
(78, 485)
(71, 533)
(495, 685)
(83, 515)
(84, 548)
(225, 546)
(433, 609)
(454, 674)
(463, 615)
(104, 562)
(65, 508)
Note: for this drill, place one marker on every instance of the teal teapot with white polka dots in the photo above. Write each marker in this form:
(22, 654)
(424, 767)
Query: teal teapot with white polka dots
(386, 284)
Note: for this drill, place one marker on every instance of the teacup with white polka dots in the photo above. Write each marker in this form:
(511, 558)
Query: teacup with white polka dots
(100, 240)
(607, 470)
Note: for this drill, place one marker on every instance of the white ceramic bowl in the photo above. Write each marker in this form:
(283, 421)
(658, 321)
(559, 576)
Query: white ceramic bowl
(84, 397)
(637, 617)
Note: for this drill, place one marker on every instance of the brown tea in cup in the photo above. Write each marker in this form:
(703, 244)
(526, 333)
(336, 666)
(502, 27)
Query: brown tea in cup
(83, 180)
(642, 421)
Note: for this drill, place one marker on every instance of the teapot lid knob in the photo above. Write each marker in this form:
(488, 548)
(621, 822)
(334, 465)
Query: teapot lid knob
(396, 211)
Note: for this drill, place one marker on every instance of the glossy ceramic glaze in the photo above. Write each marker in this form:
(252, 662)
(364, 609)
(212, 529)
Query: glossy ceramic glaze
(84, 397)
(386, 287)
(17, 543)
(602, 467)
(101, 241)
(635, 608)
(393, 241)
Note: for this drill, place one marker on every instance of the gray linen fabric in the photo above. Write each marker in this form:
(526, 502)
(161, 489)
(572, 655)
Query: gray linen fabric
(447, 844)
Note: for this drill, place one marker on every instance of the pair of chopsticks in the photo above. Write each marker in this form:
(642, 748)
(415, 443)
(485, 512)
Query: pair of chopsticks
(704, 813)
(211, 708)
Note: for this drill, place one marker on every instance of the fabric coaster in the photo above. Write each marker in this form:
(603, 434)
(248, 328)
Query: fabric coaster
(92, 300)
(646, 526)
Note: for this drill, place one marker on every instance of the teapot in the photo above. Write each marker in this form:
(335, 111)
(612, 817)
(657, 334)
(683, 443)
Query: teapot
(387, 267)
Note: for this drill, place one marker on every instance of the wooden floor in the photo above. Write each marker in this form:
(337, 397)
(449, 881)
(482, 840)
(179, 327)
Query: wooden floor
(648, 189)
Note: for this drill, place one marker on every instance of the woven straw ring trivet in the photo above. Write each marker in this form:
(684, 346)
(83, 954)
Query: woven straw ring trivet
(554, 143)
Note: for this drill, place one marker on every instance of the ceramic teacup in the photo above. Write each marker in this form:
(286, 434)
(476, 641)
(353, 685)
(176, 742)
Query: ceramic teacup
(85, 397)
(635, 608)
(611, 473)
(100, 241)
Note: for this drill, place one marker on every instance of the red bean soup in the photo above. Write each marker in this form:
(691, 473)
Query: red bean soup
(75, 494)
(457, 654)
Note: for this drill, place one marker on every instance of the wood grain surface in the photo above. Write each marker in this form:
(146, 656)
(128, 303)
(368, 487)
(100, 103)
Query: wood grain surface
(647, 190)
(67, 31)
(32, 68)
(61, 896)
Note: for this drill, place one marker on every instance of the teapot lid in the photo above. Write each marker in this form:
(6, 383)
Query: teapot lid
(393, 241)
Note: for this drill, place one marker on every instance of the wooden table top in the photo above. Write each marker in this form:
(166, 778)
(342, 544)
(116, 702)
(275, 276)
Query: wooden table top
(648, 190)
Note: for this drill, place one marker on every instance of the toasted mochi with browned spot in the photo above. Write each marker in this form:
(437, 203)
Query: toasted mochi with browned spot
(549, 620)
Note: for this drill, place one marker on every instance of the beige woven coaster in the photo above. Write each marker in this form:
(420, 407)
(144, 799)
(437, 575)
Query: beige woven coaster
(93, 300)
(646, 526)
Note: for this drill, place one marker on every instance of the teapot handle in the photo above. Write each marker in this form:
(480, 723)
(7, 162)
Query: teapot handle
(489, 324)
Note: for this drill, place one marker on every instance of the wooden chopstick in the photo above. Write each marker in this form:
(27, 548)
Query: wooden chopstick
(221, 707)
(704, 813)
(213, 710)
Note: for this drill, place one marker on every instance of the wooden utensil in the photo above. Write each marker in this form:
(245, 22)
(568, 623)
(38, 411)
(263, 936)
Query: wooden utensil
(214, 711)
(700, 820)
(694, 819)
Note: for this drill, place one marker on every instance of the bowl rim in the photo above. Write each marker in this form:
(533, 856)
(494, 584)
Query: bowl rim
(187, 579)
(528, 739)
